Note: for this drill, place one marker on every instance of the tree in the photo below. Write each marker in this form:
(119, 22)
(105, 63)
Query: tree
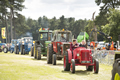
(107, 4)
(15, 5)
(3, 11)
(113, 28)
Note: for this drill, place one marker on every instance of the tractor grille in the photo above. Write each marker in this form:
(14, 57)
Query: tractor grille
(85, 56)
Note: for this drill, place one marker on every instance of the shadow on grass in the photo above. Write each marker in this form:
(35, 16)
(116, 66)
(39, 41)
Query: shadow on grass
(42, 59)
(57, 64)
(78, 72)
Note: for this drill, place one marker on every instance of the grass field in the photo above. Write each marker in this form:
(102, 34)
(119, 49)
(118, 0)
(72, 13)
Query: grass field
(24, 67)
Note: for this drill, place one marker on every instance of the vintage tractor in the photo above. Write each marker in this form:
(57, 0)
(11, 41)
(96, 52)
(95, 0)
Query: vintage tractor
(60, 43)
(27, 43)
(17, 45)
(40, 45)
(80, 57)
(116, 66)
(13, 47)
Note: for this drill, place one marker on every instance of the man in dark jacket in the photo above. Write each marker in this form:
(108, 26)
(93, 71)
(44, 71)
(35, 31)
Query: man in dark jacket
(73, 45)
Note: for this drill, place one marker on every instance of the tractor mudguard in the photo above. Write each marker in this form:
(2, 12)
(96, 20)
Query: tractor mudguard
(69, 55)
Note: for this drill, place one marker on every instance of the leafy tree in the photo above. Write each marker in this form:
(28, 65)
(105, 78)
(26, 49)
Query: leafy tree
(113, 28)
(3, 16)
(15, 6)
(107, 4)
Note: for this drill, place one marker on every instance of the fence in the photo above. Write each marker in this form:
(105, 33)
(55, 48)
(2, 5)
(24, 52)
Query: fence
(104, 56)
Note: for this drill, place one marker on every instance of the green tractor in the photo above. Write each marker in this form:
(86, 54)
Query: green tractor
(40, 45)
(116, 66)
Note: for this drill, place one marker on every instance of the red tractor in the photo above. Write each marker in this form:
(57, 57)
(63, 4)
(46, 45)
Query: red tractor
(60, 43)
(81, 56)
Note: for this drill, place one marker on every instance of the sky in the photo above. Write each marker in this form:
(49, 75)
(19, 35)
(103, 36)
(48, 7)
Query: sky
(79, 9)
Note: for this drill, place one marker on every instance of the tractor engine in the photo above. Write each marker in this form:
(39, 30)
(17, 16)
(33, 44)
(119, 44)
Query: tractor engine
(84, 56)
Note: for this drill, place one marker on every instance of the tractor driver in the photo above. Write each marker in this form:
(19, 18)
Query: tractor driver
(73, 46)
(62, 38)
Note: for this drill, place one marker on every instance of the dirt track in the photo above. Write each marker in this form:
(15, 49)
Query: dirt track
(81, 73)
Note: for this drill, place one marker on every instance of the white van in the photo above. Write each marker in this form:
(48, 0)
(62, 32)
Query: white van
(101, 45)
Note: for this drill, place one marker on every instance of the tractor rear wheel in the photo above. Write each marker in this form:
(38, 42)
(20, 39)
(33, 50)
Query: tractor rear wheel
(23, 51)
(5, 49)
(66, 63)
(38, 53)
(32, 51)
(72, 66)
(116, 70)
(96, 66)
(89, 68)
(49, 54)
(54, 59)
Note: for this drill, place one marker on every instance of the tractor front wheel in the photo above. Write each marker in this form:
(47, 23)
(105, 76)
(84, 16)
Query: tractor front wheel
(32, 50)
(96, 66)
(23, 51)
(66, 63)
(54, 59)
(116, 70)
(11, 51)
(5, 49)
(72, 66)
(49, 54)
(38, 53)
(17, 51)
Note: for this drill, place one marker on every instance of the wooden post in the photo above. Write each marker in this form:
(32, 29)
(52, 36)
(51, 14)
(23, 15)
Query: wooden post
(95, 37)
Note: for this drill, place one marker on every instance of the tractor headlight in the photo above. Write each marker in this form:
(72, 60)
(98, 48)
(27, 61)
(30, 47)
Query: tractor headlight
(78, 54)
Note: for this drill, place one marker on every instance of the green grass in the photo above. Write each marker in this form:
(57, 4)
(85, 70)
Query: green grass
(23, 67)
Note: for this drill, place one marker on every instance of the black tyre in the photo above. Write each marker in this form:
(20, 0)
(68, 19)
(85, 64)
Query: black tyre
(17, 51)
(23, 51)
(54, 59)
(22, 47)
(49, 54)
(89, 68)
(11, 51)
(96, 66)
(72, 66)
(38, 53)
(5, 49)
(59, 58)
(66, 63)
(32, 51)
(116, 70)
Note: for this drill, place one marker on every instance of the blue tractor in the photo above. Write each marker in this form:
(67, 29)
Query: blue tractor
(13, 47)
(18, 43)
(27, 43)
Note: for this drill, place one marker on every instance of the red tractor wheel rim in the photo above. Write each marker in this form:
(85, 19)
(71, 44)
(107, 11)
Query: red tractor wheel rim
(64, 62)
(94, 65)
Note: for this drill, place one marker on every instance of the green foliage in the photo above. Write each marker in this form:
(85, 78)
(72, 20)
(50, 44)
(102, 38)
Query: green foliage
(114, 24)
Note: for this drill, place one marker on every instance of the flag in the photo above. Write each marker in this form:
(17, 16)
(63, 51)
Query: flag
(3, 31)
(40, 29)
